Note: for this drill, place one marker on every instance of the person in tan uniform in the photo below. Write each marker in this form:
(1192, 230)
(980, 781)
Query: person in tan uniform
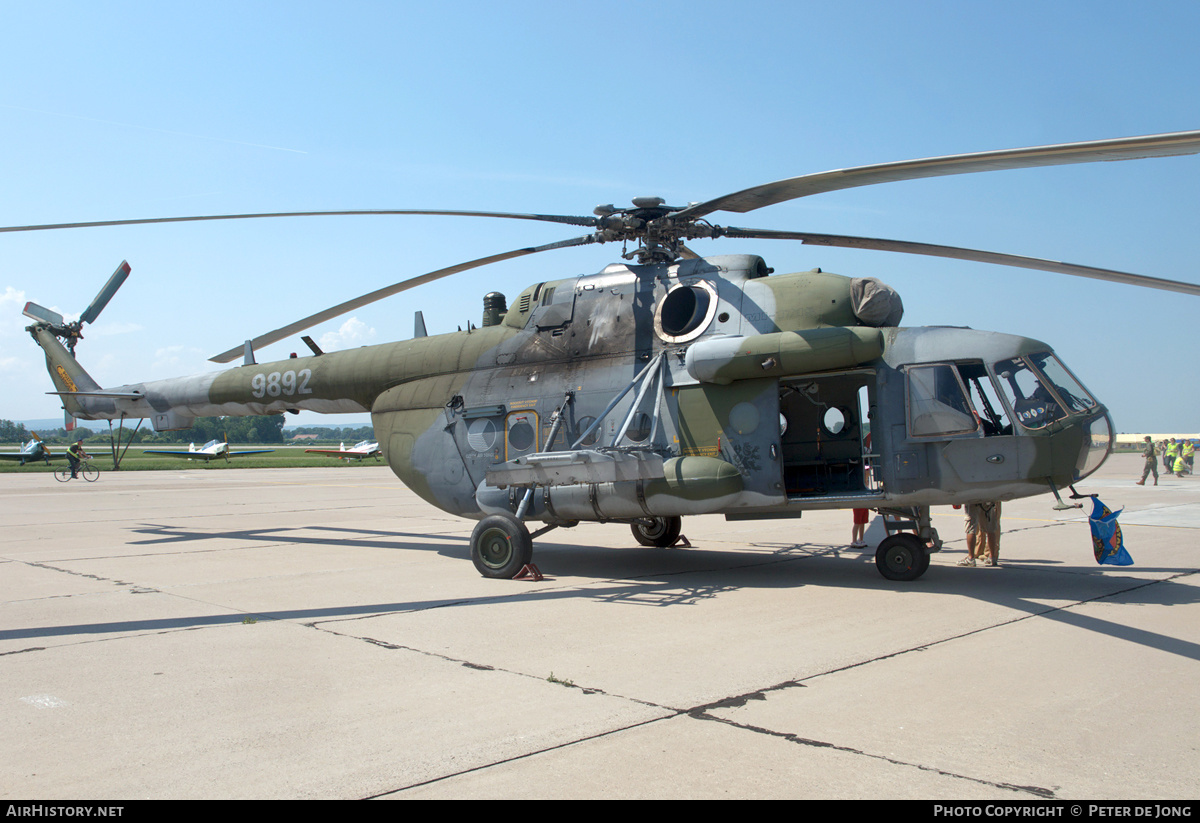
(983, 529)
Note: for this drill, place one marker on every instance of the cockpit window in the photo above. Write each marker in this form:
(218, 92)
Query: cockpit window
(1041, 390)
(991, 412)
(1063, 383)
(937, 402)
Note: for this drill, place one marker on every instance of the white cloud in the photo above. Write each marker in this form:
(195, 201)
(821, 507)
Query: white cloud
(11, 297)
(352, 333)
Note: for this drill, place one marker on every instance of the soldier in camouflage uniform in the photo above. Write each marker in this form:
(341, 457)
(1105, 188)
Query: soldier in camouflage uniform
(1151, 462)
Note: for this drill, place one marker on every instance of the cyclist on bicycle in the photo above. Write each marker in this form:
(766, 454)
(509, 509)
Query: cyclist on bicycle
(75, 453)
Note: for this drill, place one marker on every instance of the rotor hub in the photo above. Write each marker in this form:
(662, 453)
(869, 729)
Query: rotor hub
(654, 226)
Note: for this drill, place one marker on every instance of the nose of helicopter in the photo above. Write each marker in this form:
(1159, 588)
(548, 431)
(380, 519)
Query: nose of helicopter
(1097, 431)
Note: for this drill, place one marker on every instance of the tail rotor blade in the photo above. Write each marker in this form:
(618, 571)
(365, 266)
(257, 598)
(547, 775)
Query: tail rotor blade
(42, 314)
(106, 293)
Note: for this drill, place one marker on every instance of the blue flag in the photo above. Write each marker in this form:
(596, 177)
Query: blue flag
(1107, 543)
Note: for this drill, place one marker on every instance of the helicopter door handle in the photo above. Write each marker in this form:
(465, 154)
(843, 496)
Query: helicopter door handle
(996, 458)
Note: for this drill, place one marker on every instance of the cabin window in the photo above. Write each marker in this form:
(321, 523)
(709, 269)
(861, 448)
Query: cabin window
(833, 422)
(520, 433)
(639, 427)
(585, 423)
(937, 402)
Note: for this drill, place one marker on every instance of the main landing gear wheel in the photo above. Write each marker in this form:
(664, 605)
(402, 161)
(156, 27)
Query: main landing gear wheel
(500, 546)
(659, 532)
(902, 557)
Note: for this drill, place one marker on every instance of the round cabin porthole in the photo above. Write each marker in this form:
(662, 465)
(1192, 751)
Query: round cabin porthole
(585, 423)
(834, 421)
(521, 432)
(685, 312)
(639, 427)
(743, 418)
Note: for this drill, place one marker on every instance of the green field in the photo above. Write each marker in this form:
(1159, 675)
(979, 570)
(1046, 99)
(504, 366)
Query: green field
(134, 460)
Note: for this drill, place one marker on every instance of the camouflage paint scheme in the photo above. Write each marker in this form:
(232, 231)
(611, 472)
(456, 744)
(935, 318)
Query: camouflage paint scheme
(733, 414)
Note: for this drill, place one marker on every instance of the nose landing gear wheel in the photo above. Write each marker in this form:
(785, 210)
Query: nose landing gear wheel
(902, 557)
(500, 546)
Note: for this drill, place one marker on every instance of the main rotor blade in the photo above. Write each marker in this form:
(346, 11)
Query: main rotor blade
(388, 291)
(1125, 148)
(105, 294)
(974, 255)
(571, 220)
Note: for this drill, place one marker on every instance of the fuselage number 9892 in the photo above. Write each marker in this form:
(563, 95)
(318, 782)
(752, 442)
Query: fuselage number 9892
(281, 384)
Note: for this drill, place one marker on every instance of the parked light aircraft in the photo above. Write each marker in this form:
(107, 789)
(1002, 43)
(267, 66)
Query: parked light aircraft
(209, 451)
(670, 385)
(32, 451)
(361, 449)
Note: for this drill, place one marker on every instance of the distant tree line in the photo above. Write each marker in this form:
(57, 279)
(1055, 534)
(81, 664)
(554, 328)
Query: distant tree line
(333, 433)
(264, 429)
(256, 429)
(11, 432)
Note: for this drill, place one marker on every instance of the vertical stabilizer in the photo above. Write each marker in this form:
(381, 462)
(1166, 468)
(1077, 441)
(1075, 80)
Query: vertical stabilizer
(65, 371)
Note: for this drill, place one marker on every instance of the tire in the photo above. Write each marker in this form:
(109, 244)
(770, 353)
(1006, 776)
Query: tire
(902, 557)
(661, 534)
(500, 546)
(62, 475)
(90, 473)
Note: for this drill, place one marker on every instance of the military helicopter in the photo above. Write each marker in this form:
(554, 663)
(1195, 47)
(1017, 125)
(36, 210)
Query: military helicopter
(672, 384)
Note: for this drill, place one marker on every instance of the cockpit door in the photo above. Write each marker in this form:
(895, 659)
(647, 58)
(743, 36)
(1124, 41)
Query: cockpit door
(966, 445)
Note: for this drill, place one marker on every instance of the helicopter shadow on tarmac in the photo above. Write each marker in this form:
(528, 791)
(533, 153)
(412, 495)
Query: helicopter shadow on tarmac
(787, 565)
(1032, 591)
(680, 577)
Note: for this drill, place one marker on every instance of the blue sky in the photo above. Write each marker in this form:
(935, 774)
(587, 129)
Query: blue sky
(126, 109)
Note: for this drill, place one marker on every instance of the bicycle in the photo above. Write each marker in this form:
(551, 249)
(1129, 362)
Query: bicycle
(87, 470)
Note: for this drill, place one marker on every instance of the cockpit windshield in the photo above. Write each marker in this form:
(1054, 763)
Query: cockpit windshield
(1040, 390)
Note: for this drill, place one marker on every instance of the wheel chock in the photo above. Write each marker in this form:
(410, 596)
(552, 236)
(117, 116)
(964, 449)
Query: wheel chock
(529, 571)
(682, 542)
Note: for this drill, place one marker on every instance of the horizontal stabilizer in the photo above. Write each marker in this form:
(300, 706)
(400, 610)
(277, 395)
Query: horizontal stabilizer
(101, 393)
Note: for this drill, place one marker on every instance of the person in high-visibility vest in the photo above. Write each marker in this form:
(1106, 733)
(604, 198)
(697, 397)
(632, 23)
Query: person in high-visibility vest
(1172, 454)
(75, 453)
(1189, 453)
